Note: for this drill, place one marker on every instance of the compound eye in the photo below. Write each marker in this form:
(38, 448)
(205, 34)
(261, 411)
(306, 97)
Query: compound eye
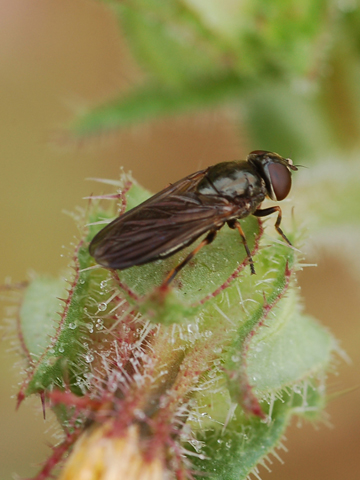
(280, 178)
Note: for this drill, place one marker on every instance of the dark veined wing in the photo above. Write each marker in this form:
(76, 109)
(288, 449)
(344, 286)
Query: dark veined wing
(160, 226)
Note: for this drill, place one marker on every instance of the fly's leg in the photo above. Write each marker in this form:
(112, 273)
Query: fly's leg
(172, 274)
(268, 211)
(236, 224)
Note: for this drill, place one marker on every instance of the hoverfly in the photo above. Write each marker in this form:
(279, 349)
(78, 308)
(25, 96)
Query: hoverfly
(199, 203)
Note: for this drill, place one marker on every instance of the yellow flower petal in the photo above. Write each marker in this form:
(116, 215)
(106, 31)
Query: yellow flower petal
(100, 455)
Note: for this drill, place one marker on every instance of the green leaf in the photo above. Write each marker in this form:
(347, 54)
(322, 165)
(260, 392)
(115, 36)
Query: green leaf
(291, 347)
(39, 315)
(64, 358)
(154, 100)
(245, 442)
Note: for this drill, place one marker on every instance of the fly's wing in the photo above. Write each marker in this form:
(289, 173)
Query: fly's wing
(159, 227)
(185, 185)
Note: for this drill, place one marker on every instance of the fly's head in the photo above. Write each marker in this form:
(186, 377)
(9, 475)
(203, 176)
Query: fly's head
(275, 172)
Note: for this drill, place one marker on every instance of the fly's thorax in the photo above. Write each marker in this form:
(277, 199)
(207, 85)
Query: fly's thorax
(236, 181)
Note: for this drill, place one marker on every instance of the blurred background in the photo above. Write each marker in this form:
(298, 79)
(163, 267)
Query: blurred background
(59, 59)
